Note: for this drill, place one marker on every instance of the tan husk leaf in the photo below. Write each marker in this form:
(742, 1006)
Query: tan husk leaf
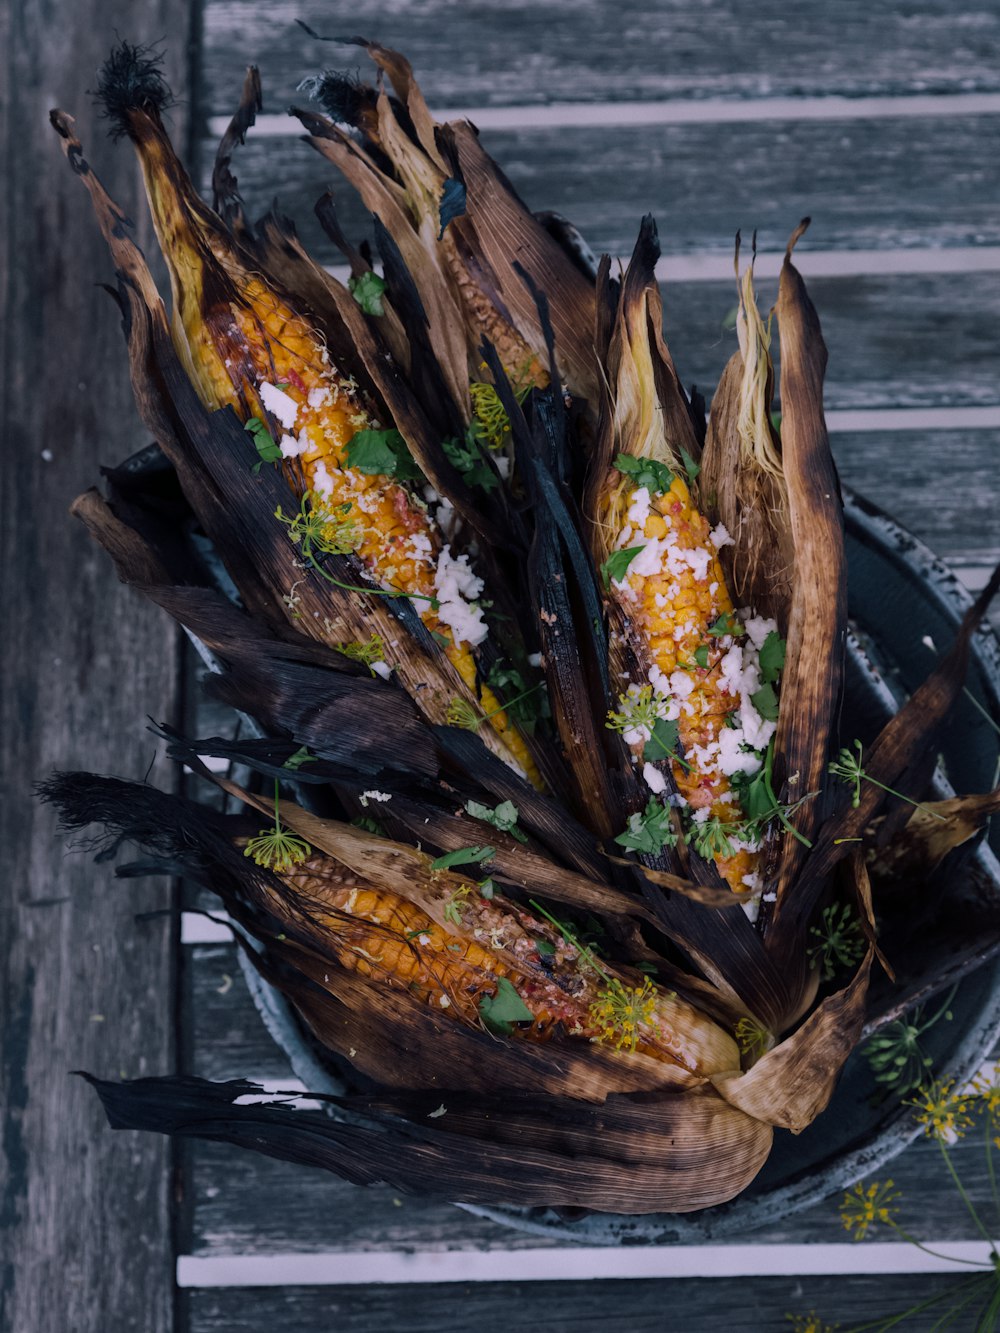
(811, 680)
(934, 829)
(793, 1083)
(742, 478)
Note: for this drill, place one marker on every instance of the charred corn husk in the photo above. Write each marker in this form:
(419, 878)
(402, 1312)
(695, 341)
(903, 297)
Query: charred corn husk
(457, 965)
(245, 346)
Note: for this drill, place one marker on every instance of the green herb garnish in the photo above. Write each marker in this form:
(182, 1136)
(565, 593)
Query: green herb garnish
(463, 856)
(617, 563)
(654, 476)
(772, 657)
(500, 1011)
(503, 817)
(650, 831)
(367, 291)
(382, 453)
(263, 442)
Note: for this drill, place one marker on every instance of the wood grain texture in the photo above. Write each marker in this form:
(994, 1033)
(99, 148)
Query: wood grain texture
(245, 1204)
(489, 53)
(868, 184)
(666, 1306)
(84, 1214)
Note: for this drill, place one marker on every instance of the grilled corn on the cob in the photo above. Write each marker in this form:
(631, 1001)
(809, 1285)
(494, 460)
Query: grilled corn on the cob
(246, 347)
(458, 965)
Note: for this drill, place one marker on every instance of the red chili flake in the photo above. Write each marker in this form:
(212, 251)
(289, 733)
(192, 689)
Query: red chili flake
(292, 377)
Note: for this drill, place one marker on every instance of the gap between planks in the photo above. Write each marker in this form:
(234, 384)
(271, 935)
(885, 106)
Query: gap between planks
(599, 115)
(337, 1269)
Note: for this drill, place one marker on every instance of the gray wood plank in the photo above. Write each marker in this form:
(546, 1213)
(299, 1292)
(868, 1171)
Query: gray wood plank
(247, 1205)
(942, 485)
(85, 1214)
(243, 1204)
(867, 184)
(486, 52)
(897, 341)
(759, 1305)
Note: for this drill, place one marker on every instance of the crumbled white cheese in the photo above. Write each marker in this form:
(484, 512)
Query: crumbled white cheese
(752, 881)
(719, 537)
(638, 510)
(713, 588)
(503, 465)
(382, 669)
(758, 628)
(367, 796)
(322, 482)
(701, 816)
(648, 561)
(752, 908)
(654, 779)
(733, 759)
(535, 659)
(318, 398)
(698, 560)
(456, 585)
(278, 403)
(770, 897)
(291, 447)
(681, 684)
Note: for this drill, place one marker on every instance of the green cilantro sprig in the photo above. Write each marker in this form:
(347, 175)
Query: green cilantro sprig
(382, 453)
(656, 477)
(650, 831)
(617, 563)
(367, 291)
(503, 817)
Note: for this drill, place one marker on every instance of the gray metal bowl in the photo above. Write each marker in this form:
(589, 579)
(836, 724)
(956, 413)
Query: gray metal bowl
(900, 595)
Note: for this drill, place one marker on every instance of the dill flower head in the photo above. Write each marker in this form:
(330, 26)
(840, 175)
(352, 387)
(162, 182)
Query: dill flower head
(943, 1112)
(619, 1011)
(986, 1089)
(810, 1323)
(277, 849)
(863, 1208)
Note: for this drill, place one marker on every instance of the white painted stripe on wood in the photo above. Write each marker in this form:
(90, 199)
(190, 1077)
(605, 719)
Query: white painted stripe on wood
(913, 419)
(571, 1264)
(199, 929)
(836, 263)
(613, 115)
(713, 267)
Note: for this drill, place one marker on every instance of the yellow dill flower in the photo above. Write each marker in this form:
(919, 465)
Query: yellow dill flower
(810, 1323)
(277, 849)
(366, 653)
(943, 1112)
(986, 1088)
(752, 1037)
(863, 1208)
(619, 1012)
(462, 714)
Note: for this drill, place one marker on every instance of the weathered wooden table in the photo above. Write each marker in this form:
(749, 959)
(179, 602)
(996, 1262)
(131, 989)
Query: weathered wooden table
(878, 120)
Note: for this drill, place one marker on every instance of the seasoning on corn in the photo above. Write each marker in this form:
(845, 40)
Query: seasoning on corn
(702, 671)
(486, 946)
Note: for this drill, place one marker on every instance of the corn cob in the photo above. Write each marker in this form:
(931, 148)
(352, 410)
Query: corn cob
(245, 347)
(456, 966)
(674, 591)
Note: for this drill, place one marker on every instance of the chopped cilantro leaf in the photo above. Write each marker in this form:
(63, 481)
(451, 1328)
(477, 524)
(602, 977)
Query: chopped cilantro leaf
(381, 453)
(617, 563)
(263, 442)
(662, 743)
(766, 703)
(463, 856)
(648, 472)
(545, 949)
(301, 756)
(468, 459)
(500, 1011)
(726, 624)
(650, 831)
(772, 657)
(367, 291)
(503, 817)
(701, 655)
